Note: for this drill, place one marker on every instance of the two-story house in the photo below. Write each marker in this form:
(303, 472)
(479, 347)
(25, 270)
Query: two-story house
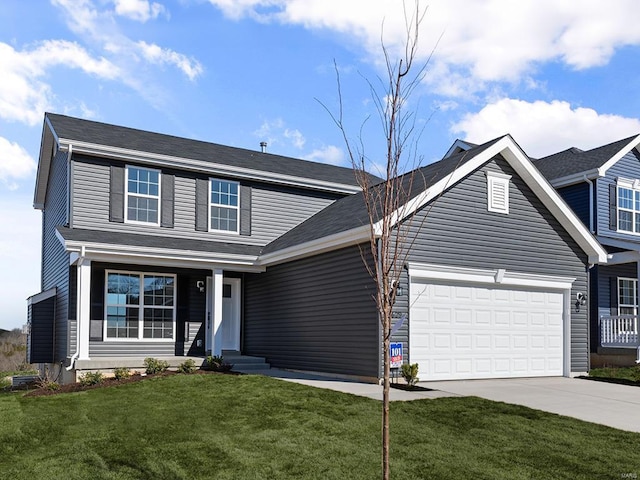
(602, 186)
(159, 246)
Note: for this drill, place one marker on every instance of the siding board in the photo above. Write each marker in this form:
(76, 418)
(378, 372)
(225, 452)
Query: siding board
(274, 210)
(314, 314)
(457, 230)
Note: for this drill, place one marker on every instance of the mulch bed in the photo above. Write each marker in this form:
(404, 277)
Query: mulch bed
(620, 381)
(110, 382)
(410, 388)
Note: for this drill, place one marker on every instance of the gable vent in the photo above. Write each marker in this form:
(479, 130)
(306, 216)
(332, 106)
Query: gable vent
(498, 192)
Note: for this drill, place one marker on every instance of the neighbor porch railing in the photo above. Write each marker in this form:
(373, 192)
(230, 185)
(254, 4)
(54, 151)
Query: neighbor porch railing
(619, 331)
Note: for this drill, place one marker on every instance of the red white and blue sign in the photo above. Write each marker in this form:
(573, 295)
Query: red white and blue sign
(395, 351)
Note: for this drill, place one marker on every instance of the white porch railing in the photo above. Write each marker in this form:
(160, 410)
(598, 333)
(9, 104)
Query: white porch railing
(619, 331)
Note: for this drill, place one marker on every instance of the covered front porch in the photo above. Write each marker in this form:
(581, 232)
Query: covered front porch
(620, 332)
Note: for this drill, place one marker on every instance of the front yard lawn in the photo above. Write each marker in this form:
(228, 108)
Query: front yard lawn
(251, 427)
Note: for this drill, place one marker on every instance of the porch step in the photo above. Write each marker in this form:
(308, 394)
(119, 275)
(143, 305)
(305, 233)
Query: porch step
(243, 363)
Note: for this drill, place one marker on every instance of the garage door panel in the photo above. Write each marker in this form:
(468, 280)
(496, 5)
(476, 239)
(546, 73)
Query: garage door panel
(459, 332)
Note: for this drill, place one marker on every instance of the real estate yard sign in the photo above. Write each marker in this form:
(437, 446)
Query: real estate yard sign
(396, 355)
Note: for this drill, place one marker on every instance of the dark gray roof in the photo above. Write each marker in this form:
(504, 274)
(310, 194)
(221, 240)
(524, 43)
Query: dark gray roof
(351, 212)
(71, 128)
(573, 160)
(150, 241)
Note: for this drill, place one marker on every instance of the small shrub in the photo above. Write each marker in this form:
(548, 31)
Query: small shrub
(217, 364)
(48, 384)
(188, 366)
(91, 378)
(5, 382)
(410, 373)
(153, 365)
(121, 373)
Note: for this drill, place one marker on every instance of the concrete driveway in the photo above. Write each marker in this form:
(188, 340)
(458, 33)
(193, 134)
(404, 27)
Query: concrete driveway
(608, 404)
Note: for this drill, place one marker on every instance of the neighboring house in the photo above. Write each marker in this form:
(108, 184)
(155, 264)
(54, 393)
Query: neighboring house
(602, 186)
(161, 246)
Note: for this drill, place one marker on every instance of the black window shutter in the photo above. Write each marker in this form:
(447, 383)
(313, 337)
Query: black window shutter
(97, 305)
(167, 201)
(116, 194)
(613, 288)
(202, 204)
(613, 207)
(245, 210)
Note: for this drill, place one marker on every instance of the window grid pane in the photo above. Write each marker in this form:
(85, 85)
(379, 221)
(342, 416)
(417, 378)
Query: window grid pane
(143, 192)
(126, 318)
(627, 296)
(224, 201)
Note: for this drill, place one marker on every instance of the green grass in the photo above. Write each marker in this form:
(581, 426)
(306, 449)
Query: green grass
(250, 427)
(620, 373)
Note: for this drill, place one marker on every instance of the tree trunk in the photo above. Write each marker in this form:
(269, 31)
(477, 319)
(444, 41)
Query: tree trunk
(385, 404)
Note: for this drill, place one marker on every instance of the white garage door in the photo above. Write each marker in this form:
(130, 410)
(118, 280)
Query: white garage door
(469, 332)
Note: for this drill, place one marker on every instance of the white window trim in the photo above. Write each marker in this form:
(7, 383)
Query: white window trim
(126, 195)
(497, 180)
(634, 186)
(141, 309)
(634, 282)
(237, 208)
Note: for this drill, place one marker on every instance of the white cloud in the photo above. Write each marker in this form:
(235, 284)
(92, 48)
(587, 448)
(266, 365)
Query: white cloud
(139, 10)
(15, 163)
(482, 40)
(296, 138)
(164, 56)
(542, 128)
(101, 29)
(328, 154)
(24, 93)
(275, 132)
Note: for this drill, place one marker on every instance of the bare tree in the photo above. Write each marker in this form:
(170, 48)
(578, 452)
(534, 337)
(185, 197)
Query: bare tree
(388, 203)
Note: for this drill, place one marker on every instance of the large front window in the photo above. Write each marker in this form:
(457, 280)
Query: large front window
(628, 209)
(627, 296)
(143, 195)
(140, 306)
(224, 205)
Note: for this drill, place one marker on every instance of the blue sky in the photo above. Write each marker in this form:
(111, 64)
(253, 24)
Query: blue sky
(241, 71)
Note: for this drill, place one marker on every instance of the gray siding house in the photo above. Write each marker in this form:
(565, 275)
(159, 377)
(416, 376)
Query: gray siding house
(602, 186)
(160, 246)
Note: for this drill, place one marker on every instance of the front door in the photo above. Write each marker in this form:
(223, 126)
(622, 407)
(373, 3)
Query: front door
(230, 324)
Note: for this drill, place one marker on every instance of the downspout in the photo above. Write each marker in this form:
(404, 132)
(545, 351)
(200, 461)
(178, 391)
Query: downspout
(68, 207)
(76, 354)
(591, 186)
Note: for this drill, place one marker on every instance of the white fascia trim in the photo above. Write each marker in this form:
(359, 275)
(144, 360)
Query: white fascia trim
(47, 141)
(40, 297)
(156, 256)
(575, 178)
(621, 153)
(202, 166)
(496, 277)
(315, 247)
(534, 179)
(552, 200)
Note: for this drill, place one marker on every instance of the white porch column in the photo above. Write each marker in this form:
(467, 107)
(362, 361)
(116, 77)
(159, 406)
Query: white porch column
(83, 310)
(216, 321)
(638, 287)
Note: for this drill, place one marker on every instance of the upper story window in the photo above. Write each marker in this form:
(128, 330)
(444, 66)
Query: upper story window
(498, 192)
(143, 195)
(224, 205)
(627, 296)
(628, 205)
